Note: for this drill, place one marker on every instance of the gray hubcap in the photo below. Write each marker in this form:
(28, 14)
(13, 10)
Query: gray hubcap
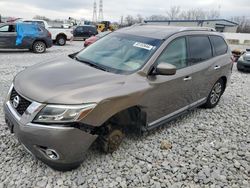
(216, 93)
(61, 41)
(39, 47)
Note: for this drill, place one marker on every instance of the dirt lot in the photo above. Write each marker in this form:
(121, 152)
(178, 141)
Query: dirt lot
(210, 148)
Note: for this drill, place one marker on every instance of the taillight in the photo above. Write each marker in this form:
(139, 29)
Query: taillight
(49, 34)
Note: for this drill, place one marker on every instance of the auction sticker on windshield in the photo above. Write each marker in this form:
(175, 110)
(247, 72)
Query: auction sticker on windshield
(143, 45)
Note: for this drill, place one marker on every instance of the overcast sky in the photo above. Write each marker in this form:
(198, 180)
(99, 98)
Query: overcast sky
(114, 9)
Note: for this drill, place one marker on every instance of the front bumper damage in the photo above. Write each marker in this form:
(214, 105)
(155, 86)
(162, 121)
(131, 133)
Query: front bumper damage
(56, 145)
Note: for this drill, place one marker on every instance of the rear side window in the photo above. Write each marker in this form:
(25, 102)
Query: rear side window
(93, 29)
(219, 44)
(200, 49)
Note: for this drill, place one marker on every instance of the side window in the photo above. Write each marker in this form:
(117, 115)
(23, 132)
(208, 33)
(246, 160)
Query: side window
(86, 29)
(200, 49)
(41, 23)
(219, 45)
(175, 54)
(4, 28)
(12, 28)
(79, 29)
(92, 29)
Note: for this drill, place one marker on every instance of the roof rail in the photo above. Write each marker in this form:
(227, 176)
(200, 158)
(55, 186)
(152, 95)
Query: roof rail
(198, 29)
(182, 28)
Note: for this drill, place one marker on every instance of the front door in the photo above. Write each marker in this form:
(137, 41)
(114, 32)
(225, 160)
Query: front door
(169, 94)
(8, 36)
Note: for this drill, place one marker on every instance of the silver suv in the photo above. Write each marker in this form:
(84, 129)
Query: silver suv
(135, 79)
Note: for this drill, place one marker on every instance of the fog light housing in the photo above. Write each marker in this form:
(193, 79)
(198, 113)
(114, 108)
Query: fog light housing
(49, 153)
(52, 154)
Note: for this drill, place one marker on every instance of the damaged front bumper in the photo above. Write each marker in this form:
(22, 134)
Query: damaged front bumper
(56, 145)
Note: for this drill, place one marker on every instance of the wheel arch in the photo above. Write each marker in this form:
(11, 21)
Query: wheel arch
(224, 79)
(132, 119)
(61, 34)
(41, 40)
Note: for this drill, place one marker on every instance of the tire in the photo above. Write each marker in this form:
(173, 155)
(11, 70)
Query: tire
(239, 68)
(61, 40)
(215, 94)
(111, 141)
(39, 47)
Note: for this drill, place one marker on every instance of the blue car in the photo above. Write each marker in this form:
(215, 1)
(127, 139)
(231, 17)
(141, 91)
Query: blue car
(24, 36)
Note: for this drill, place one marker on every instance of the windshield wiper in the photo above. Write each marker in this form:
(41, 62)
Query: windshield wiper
(92, 64)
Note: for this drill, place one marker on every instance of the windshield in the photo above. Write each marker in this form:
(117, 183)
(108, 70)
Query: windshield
(120, 53)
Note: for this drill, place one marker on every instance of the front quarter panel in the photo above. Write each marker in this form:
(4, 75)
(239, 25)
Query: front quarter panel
(127, 96)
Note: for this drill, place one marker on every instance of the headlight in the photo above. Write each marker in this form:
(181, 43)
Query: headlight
(63, 113)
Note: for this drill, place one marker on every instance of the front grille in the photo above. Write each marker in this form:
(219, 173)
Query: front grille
(23, 103)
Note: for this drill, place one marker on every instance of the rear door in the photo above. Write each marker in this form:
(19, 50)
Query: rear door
(201, 62)
(8, 36)
(87, 32)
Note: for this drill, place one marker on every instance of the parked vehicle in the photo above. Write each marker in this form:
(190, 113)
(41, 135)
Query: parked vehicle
(105, 26)
(84, 32)
(59, 35)
(243, 63)
(37, 43)
(93, 39)
(148, 76)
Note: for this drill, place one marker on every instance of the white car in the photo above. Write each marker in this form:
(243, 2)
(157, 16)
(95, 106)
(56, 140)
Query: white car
(58, 35)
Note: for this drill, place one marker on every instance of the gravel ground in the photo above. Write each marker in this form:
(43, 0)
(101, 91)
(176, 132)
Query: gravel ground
(210, 148)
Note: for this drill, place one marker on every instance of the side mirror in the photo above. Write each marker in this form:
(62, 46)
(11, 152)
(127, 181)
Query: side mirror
(165, 69)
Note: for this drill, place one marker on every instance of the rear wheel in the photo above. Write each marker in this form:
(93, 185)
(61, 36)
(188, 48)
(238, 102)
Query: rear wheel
(215, 95)
(112, 139)
(239, 67)
(61, 40)
(39, 47)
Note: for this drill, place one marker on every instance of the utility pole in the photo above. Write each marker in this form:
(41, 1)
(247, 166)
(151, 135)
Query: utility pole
(95, 13)
(100, 17)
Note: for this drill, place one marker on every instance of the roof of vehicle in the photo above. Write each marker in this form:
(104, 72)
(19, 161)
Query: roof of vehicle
(159, 31)
(34, 20)
(85, 26)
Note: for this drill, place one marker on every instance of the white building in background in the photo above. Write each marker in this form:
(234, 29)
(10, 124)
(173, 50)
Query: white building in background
(221, 25)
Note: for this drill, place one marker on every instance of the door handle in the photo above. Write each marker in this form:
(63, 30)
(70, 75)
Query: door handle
(188, 78)
(217, 67)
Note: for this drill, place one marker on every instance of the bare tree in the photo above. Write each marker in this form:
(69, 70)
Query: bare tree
(199, 14)
(38, 17)
(157, 17)
(213, 14)
(139, 18)
(174, 12)
(129, 20)
(244, 24)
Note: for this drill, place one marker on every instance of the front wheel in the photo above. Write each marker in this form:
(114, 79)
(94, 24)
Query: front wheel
(39, 47)
(111, 141)
(215, 95)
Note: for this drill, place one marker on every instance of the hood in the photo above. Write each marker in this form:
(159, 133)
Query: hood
(66, 81)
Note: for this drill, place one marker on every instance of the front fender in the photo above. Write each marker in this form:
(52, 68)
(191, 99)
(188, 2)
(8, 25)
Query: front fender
(109, 107)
